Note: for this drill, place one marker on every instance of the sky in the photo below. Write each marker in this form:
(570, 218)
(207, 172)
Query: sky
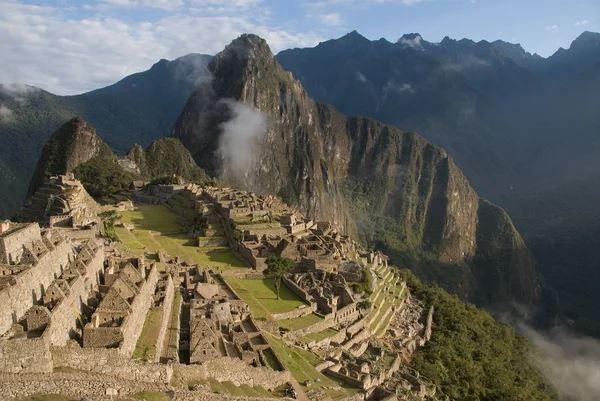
(73, 46)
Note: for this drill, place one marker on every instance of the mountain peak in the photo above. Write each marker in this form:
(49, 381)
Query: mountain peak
(585, 40)
(353, 37)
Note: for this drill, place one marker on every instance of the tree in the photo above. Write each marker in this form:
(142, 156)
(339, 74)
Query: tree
(278, 267)
(199, 225)
(108, 222)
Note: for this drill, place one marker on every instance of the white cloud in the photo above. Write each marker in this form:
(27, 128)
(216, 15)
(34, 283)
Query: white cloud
(467, 62)
(552, 28)
(335, 3)
(582, 23)
(415, 43)
(159, 4)
(400, 88)
(360, 76)
(50, 48)
(6, 114)
(333, 19)
(570, 364)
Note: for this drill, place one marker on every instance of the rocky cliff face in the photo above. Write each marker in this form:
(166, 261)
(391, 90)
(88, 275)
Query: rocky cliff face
(394, 188)
(72, 145)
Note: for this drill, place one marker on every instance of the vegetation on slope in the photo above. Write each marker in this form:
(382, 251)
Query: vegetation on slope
(102, 176)
(471, 356)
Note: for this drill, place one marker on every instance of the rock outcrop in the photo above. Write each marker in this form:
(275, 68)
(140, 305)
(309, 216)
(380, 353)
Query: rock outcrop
(367, 177)
(72, 145)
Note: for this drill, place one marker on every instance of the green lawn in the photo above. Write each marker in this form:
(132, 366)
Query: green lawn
(301, 364)
(260, 295)
(173, 346)
(152, 217)
(230, 388)
(152, 220)
(300, 322)
(320, 336)
(146, 344)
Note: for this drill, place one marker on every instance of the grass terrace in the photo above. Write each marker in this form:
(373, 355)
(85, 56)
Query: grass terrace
(319, 336)
(301, 364)
(300, 322)
(261, 296)
(156, 228)
(171, 345)
(146, 344)
(230, 388)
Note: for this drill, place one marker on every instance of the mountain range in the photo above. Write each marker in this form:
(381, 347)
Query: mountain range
(138, 109)
(522, 128)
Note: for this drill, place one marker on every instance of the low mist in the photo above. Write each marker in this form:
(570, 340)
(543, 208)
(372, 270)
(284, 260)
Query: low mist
(569, 363)
(239, 143)
(6, 114)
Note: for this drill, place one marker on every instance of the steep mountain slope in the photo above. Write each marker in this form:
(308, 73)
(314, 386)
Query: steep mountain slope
(139, 108)
(75, 148)
(529, 141)
(352, 171)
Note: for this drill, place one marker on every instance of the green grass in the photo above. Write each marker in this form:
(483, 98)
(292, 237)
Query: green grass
(150, 396)
(271, 360)
(146, 344)
(152, 220)
(260, 295)
(172, 346)
(301, 364)
(152, 217)
(319, 336)
(230, 388)
(300, 322)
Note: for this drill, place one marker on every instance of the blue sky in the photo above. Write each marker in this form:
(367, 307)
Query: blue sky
(71, 46)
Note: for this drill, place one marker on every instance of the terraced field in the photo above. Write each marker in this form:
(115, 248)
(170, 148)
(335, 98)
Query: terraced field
(383, 301)
(146, 344)
(156, 228)
(301, 364)
(261, 296)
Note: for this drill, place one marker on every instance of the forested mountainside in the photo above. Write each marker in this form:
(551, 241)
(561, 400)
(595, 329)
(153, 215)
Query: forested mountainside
(524, 129)
(138, 109)
(395, 189)
(76, 148)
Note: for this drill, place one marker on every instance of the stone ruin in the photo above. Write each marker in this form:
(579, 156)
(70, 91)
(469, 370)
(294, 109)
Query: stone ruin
(60, 202)
(118, 309)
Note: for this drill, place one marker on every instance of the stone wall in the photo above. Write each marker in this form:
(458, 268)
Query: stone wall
(298, 312)
(233, 370)
(134, 323)
(108, 362)
(166, 317)
(357, 326)
(25, 356)
(314, 328)
(68, 311)
(29, 285)
(298, 291)
(11, 244)
(361, 336)
(347, 314)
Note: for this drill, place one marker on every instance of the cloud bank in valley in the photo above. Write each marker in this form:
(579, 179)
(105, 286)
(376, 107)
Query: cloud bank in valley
(569, 363)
